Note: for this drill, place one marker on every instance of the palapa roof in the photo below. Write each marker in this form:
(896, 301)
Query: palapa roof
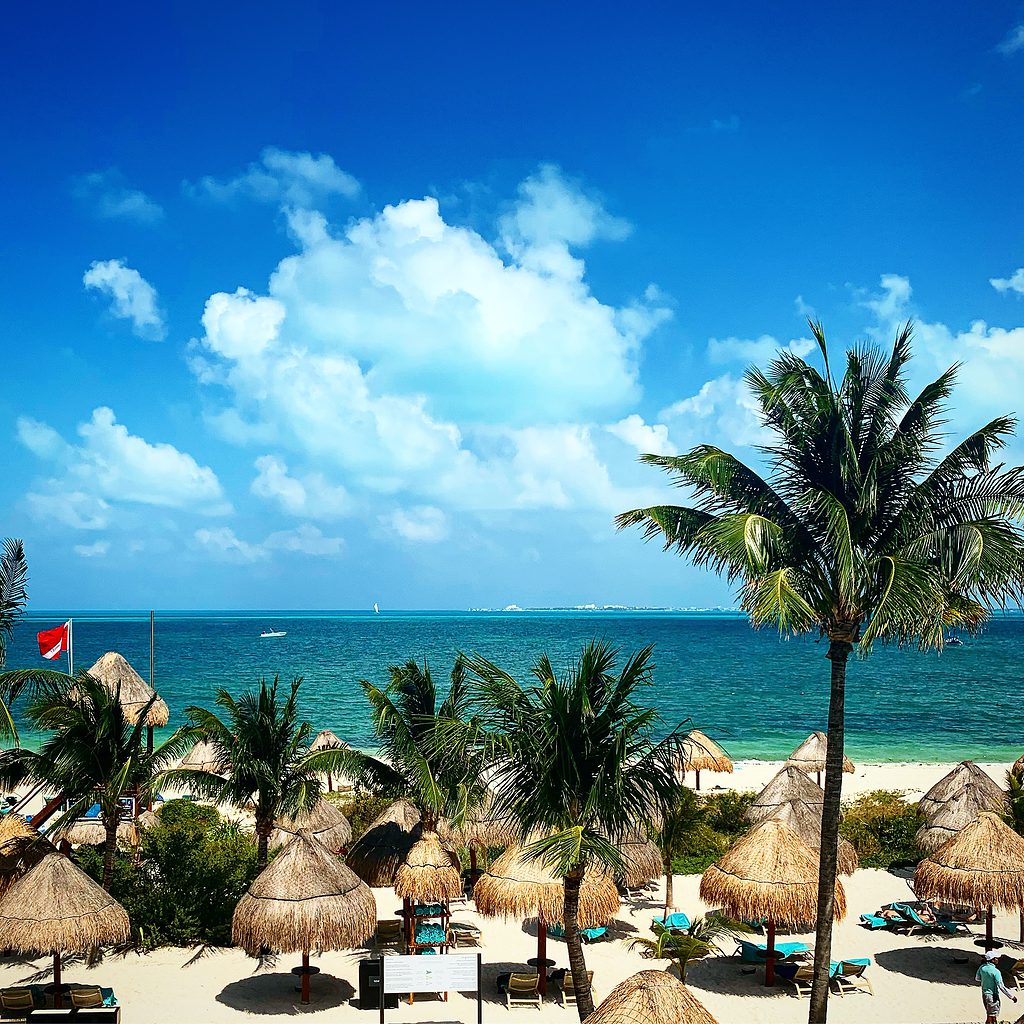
(805, 821)
(113, 671)
(643, 861)
(1018, 766)
(206, 757)
(21, 848)
(521, 887)
(698, 752)
(810, 755)
(305, 899)
(147, 820)
(430, 873)
(326, 740)
(770, 872)
(786, 785)
(982, 866)
(91, 832)
(960, 796)
(482, 827)
(57, 908)
(379, 852)
(651, 997)
(324, 822)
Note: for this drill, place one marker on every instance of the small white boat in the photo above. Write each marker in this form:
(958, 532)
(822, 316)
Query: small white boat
(376, 610)
(954, 641)
(267, 633)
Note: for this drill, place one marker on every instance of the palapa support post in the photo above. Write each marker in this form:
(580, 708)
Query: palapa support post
(305, 975)
(58, 1003)
(696, 772)
(769, 967)
(989, 942)
(542, 955)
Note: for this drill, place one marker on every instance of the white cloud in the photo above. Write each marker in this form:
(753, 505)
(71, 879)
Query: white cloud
(280, 176)
(110, 465)
(422, 524)
(305, 540)
(1014, 41)
(131, 296)
(108, 196)
(723, 412)
(55, 503)
(645, 438)
(726, 126)
(1013, 283)
(223, 545)
(309, 496)
(95, 550)
(893, 300)
(754, 350)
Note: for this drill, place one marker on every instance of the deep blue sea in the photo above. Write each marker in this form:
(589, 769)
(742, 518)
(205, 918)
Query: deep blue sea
(756, 694)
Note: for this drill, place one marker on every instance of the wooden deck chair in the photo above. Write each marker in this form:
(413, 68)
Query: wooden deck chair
(523, 990)
(464, 935)
(390, 935)
(86, 998)
(799, 975)
(15, 1003)
(1013, 970)
(569, 987)
(850, 977)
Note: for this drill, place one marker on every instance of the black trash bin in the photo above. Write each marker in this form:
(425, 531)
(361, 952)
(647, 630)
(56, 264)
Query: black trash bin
(369, 986)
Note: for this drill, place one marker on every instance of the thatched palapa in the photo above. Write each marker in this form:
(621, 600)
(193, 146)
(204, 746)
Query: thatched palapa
(699, 753)
(962, 794)
(430, 873)
(810, 755)
(651, 997)
(482, 828)
(805, 821)
(147, 820)
(381, 850)
(206, 757)
(114, 672)
(21, 848)
(324, 822)
(787, 785)
(91, 832)
(326, 740)
(643, 861)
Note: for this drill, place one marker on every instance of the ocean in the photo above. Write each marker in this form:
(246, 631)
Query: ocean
(755, 693)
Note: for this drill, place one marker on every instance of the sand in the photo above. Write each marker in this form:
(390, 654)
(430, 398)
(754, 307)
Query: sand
(915, 978)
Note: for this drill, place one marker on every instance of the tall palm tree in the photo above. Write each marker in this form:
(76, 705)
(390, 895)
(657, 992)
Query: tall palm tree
(442, 780)
(1014, 816)
(263, 746)
(859, 532)
(13, 598)
(93, 755)
(576, 765)
(679, 818)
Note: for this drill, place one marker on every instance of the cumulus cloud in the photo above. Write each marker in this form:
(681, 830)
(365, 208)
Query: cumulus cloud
(95, 550)
(109, 465)
(223, 545)
(754, 350)
(308, 495)
(645, 438)
(1014, 41)
(131, 296)
(723, 411)
(107, 195)
(1013, 283)
(281, 176)
(423, 524)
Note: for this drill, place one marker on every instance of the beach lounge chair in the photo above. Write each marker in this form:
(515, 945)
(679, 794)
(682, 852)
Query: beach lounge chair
(850, 977)
(390, 935)
(15, 1003)
(586, 934)
(757, 952)
(799, 975)
(876, 921)
(523, 990)
(674, 922)
(460, 934)
(1012, 969)
(86, 997)
(916, 923)
(569, 987)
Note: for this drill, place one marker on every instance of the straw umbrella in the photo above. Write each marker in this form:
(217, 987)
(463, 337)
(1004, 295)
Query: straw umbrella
(698, 752)
(642, 861)
(966, 789)
(305, 899)
(379, 852)
(326, 740)
(324, 822)
(810, 756)
(57, 908)
(805, 821)
(651, 997)
(786, 785)
(430, 874)
(481, 829)
(118, 676)
(205, 757)
(771, 873)
(91, 832)
(520, 886)
(21, 848)
(982, 866)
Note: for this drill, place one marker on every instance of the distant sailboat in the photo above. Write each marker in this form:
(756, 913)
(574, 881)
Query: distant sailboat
(376, 610)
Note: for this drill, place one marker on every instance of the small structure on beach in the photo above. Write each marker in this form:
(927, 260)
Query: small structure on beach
(327, 740)
(21, 848)
(56, 908)
(206, 757)
(810, 756)
(643, 861)
(90, 831)
(805, 821)
(651, 997)
(381, 850)
(770, 874)
(787, 785)
(518, 885)
(954, 802)
(430, 876)
(305, 899)
(114, 672)
(481, 829)
(699, 753)
(324, 822)
(982, 866)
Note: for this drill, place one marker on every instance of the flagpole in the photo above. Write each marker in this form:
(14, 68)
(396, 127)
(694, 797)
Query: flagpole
(71, 647)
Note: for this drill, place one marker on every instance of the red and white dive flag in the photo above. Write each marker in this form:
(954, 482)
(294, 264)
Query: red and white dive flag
(55, 642)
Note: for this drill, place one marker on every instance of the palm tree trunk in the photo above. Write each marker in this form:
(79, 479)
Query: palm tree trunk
(840, 645)
(109, 851)
(574, 945)
(668, 885)
(262, 848)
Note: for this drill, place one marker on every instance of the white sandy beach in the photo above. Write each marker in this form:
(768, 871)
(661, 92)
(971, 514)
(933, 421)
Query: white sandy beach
(915, 979)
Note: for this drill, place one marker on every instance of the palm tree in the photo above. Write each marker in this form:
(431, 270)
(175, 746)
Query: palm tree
(442, 780)
(1014, 816)
(695, 943)
(13, 598)
(860, 532)
(576, 765)
(678, 820)
(94, 755)
(265, 744)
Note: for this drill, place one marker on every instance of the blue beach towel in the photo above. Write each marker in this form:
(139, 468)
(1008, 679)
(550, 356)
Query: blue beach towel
(678, 920)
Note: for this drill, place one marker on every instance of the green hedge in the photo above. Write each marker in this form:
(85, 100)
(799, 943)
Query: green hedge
(881, 826)
(720, 821)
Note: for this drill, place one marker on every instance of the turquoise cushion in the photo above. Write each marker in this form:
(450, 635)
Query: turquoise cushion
(429, 933)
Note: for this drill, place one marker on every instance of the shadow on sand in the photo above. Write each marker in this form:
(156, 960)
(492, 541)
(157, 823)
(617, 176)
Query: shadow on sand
(932, 962)
(278, 993)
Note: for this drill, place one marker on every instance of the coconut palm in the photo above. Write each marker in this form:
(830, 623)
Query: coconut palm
(680, 817)
(1014, 813)
(859, 532)
(442, 780)
(13, 598)
(266, 743)
(577, 767)
(695, 943)
(94, 755)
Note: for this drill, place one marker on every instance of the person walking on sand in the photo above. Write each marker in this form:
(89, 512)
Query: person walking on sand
(991, 986)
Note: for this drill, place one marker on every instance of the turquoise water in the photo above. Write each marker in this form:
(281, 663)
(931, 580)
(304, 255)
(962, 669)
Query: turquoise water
(756, 694)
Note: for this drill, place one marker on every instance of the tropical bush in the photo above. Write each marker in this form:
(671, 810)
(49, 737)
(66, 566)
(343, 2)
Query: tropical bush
(720, 823)
(360, 808)
(881, 826)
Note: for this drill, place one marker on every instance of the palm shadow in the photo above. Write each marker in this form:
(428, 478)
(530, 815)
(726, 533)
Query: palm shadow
(729, 976)
(932, 962)
(278, 993)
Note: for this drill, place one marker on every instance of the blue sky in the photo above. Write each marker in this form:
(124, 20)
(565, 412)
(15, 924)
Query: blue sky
(333, 306)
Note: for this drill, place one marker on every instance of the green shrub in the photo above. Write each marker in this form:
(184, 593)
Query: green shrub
(881, 826)
(726, 812)
(360, 808)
